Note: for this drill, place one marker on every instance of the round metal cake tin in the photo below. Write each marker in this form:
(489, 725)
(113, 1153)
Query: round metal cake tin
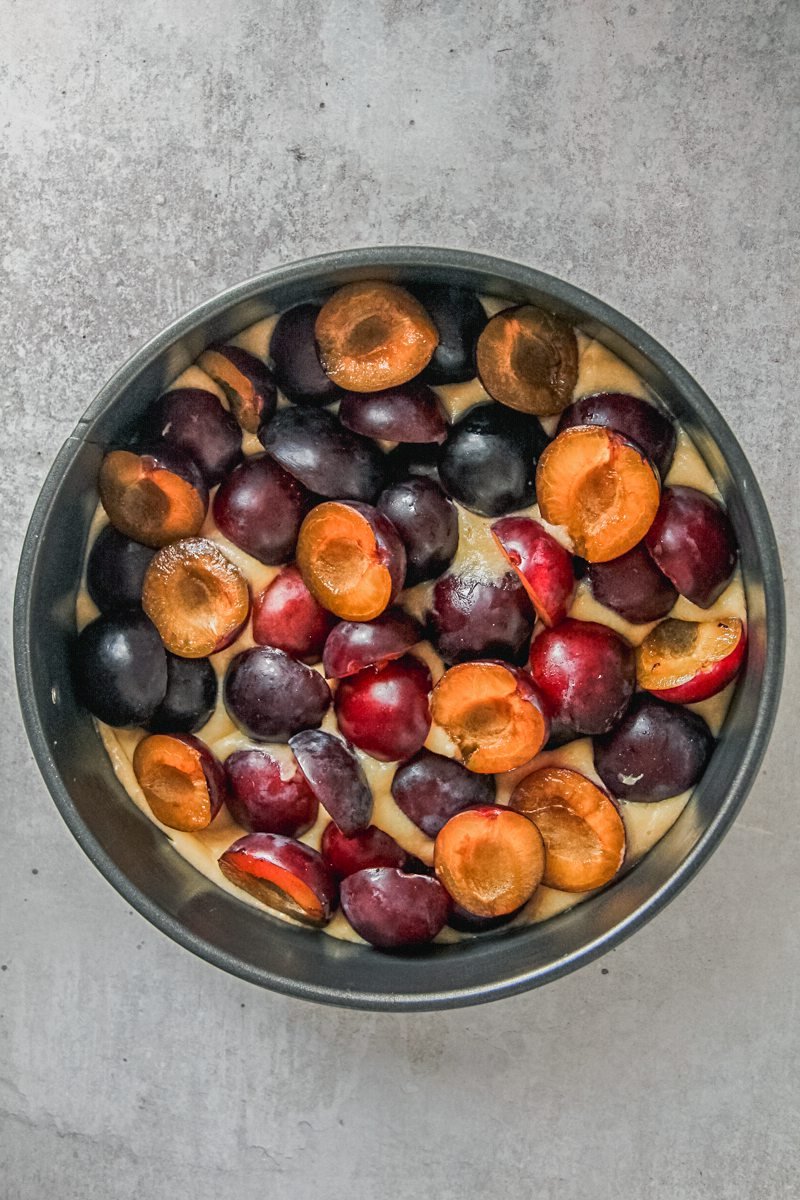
(137, 858)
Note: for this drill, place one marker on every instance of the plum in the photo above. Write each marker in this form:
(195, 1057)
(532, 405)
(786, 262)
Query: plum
(154, 495)
(283, 874)
(490, 860)
(635, 419)
(260, 508)
(528, 360)
(115, 570)
(271, 696)
(374, 335)
(542, 564)
(688, 661)
(197, 598)
(693, 543)
(391, 909)
(370, 847)
(293, 350)
(430, 789)
(656, 751)
(194, 421)
(409, 413)
(181, 779)
(351, 558)
(459, 318)
(314, 446)
(120, 668)
(287, 616)
(246, 381)
(384, 710)
(336, 778)
(354, 645)
(267, 795)
(488, 462)
(427, 522)
(632, 586)
(586, 674)
(190, 698)
(474, 617)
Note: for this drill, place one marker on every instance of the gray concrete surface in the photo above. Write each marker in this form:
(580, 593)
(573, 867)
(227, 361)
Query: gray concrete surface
(151, 154)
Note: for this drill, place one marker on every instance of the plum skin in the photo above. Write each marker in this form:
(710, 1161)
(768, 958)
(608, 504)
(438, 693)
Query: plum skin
(271, 696)
(427, 522)
(586, 674)
(262, 801)
(474, 618)
(391, 909)
(658, 750)
(430, 789)
(385, 710)
(120, 668)
(692, 541)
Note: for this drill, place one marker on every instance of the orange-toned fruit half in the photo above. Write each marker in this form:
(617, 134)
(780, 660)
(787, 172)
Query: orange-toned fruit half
(148, 501)
(583, 833)
(493, 714)
(490, 860)
(182, 781)
(197, 598)
(688, 661)
(528, 360)
(351, 558)
(373, 336)
(600, 488)
(284, 874)
(246, 381)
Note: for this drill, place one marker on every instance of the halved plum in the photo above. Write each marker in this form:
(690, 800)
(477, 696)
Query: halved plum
(271, 696)
(197, 598)
(542, 564)
(583, 833)
(368, 848)
(586, 674)
(632, 586)
(488, 462)
(354, 645)
(385, 710)
(427, 522)
(293, 350)
(600, 488)
(120, 668)
(635, 419)
(190, 698)
(287, 616)
(493, 713)
(284, 874)
(391, 909)
(408, 413)
(194, 421)
(314, 446)
(430, 789)
(688, 661)
(268, 795)
(473, 617)
(528, 360)
(351, 559)
(490, 860)
(260, 508)
(153, 496)
(374, 335)
(246, 381)
(657, 750)
(336, 778)
(182, 781)
(116, 569)
(459, 318)
(693, 543)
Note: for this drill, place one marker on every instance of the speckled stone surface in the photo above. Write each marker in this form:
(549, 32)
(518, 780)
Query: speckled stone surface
(150, 155)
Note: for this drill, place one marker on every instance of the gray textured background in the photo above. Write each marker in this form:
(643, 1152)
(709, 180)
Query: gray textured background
(153, 153)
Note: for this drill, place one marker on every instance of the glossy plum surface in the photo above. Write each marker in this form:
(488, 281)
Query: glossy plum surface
(190, 697)
(657, 750)
(120, 668)
(413, 460)
(293, 350)
(246, 381)
(287, 616)
(586, 674)
(488, 462)
(635, 419)
(354, 645)
(260, 508)
(384, 710)
(314, 446)
(427, 521)
(371, 847)
(335, 776)
(268, 795)
(115, 570)
(693, 543)
(284, 874)
(430, 789)
(194, 421)
(390, 909)
(410, 413)
(481, 618)
(271, 696)
(632, 586)
(459, 318)
(542, 564)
